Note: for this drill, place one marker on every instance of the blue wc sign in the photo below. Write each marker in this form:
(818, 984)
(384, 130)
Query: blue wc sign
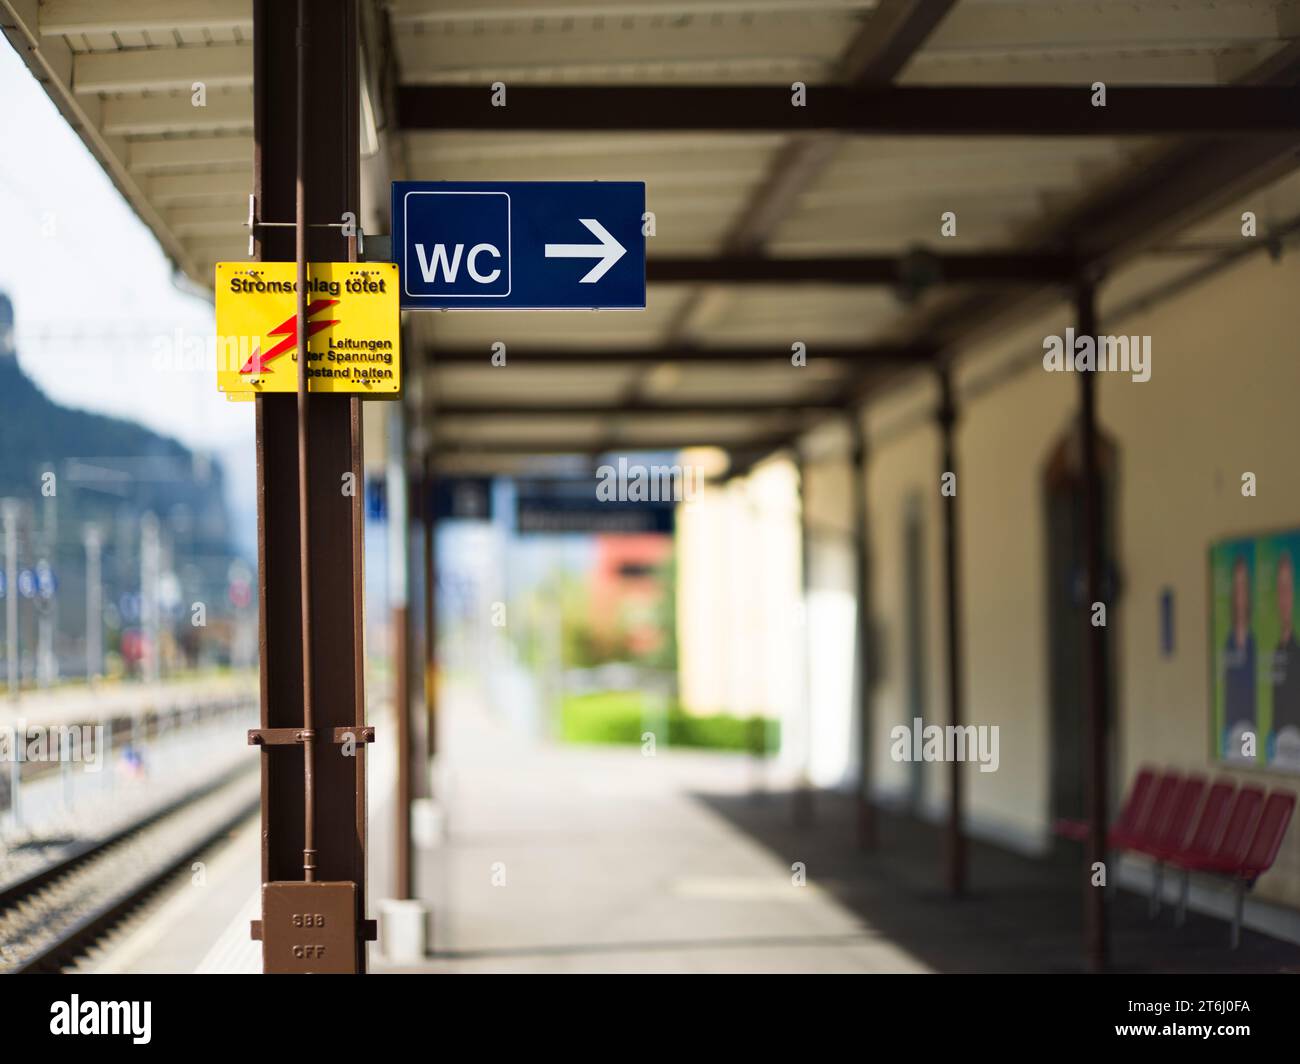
(520, 245)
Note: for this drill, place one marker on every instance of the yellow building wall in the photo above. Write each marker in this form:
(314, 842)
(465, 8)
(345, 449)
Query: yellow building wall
(738, 591)
(1223, 398)
(1003, 443)
(903, 465)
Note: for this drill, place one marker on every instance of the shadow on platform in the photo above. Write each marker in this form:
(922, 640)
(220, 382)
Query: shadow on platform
(1021, 914)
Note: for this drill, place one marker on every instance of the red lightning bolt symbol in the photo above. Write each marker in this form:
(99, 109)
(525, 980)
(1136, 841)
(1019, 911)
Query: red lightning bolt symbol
(289, 330)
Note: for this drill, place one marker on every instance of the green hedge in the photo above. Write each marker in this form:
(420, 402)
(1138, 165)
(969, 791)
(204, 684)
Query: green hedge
(622, 717)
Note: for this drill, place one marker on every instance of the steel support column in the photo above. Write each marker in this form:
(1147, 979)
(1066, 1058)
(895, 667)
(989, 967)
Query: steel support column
(956, 838)
(429, 528)
(417, 627)
(403, 869)
(862, 571)
(1095, 645)
(399, 538)
(417, 418)
(333, 487)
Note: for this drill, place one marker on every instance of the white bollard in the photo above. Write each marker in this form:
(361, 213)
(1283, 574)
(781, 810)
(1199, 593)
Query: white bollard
(404, 931)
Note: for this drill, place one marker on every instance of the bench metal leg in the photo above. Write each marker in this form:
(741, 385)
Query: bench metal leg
(1181, 917)
(1237, 912)
(1157, 882)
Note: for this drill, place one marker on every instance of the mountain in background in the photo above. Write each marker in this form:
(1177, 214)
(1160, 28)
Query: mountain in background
(108, 472)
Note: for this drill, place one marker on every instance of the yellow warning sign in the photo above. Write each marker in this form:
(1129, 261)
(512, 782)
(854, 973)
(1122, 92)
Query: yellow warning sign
(353, 323)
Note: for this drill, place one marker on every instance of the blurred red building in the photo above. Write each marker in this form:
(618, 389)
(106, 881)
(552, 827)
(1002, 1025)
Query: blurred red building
(629, 579)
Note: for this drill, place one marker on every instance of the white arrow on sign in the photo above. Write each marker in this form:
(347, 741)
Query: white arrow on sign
(609, 251)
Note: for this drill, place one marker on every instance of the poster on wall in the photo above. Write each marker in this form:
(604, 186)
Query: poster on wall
(1254, 654)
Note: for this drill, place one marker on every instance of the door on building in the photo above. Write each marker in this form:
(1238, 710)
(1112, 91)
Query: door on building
(1068, 613)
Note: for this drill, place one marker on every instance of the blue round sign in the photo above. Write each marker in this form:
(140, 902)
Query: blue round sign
(46, 582)
(129, 606)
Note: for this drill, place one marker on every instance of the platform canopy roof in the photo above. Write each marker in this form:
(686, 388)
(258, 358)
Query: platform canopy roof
(1151, 189)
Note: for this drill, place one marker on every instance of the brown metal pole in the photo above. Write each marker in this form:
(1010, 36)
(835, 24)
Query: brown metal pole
(1095, 933)
(866, 811)
(956, 838)
(416, 636)
(398, 485)
(404, 888)
(354, 417)
(304, 490)
(334, 498)
(430, 546)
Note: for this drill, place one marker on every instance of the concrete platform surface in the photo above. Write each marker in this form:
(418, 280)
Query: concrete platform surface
(600, 859)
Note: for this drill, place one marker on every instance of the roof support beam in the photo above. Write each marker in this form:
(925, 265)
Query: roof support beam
(561, 445)
(64, 17)
(1188, 183)
(921, 269)
(927, 111)
(746, 409)
(452, 12)
(890, 37)
(882, 354)
(881, 48)
(878, 52)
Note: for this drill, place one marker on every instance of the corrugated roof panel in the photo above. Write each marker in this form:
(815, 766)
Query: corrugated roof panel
(521, 326)
(763, 381)
(590, 432)
(1073, 42)
(760, 47)
(651, 428)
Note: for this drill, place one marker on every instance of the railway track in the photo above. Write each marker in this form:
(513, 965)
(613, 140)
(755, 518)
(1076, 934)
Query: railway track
(50, 917)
